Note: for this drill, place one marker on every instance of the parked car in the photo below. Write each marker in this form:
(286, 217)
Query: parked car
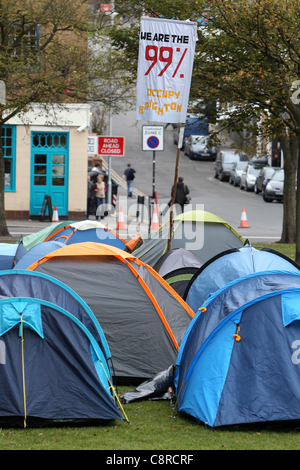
(235, 173)
(193, 126)
(263, 161)
(197, 146)
(263, 178)
(225, 161)
(249, 175)
(274, 188)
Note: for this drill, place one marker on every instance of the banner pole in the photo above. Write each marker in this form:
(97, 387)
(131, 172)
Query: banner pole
(180, 139)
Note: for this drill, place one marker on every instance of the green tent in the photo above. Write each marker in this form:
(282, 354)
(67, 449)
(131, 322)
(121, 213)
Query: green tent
(199, 232)
(31, 240)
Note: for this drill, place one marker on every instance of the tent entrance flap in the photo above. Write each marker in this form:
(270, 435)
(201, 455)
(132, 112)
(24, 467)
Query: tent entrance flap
(12, 311)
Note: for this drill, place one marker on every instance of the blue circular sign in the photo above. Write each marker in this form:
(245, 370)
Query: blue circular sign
(153, 142)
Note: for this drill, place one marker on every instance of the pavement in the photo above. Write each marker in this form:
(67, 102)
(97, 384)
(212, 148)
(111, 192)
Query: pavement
(19, 228)
(125, 216)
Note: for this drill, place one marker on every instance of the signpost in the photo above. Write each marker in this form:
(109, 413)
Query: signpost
(153, 139)
(166, 55)
(109, 145)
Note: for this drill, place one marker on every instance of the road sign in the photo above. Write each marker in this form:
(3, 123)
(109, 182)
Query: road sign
(153, 138)
(105, 7)
(111, 145)
(92, 144)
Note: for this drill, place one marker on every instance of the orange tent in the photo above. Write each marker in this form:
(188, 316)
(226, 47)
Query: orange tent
(142, 317)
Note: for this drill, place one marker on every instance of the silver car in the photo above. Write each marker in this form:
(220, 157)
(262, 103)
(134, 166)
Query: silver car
(248, 176)
(225, 161)
(274, 189)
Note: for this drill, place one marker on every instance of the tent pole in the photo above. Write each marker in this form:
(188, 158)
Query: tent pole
(181, 132)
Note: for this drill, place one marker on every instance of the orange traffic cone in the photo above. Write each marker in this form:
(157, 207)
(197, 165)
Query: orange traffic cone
(55, 218)
(155, 223)
(121, 224)
(244, 222)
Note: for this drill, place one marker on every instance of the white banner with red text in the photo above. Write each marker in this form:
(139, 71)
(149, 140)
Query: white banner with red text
(166, 56)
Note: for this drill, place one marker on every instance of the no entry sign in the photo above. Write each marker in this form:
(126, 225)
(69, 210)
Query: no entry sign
(111, 145)
(153, 138)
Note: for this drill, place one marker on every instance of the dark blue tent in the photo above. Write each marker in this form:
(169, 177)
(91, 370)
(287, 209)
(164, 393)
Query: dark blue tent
(57, 371)
(230, 265)
(238, 362)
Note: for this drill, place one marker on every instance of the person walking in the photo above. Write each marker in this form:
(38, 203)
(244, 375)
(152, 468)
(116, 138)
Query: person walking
(129, 174)
(90, 195)
(100, 190)
(181, 192)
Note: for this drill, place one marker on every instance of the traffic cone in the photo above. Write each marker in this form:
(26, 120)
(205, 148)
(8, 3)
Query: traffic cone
(244, 222)
(55, 218)
(121, 224)
(155, 223)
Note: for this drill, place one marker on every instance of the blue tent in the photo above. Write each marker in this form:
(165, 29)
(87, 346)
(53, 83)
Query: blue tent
(74, 233)
(230, 265)
(238, 362)
(59, 373)
(9, 254)
(37, 252)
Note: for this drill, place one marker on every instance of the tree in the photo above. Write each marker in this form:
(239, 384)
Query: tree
(45, 58)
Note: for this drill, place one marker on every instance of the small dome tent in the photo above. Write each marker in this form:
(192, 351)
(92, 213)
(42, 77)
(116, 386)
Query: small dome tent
(200, 232)
(226, 369)
(177, 267)
(9, 254)
(36, 252)
(142, 318)
(87, 231)
(175, 259)
(79, 232)
(34, 238)
(230, 265)
(53, 356)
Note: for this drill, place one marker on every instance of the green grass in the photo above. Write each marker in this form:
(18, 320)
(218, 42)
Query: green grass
(153, 427)
(288, 249)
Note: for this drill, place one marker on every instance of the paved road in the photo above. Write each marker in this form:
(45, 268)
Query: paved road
(220, 198)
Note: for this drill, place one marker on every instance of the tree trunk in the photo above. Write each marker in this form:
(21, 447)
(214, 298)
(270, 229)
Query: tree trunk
(290, 151)
(3, 227)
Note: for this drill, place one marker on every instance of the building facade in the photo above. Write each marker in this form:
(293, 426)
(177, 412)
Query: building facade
(46, 154)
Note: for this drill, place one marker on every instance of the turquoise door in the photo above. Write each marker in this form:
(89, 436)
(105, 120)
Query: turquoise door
(49, 171)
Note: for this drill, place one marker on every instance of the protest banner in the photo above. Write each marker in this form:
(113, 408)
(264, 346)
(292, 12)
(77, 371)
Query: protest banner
(166, 55)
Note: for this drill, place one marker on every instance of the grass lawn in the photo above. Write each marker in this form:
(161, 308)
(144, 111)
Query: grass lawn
(154, 428)
(287, 249)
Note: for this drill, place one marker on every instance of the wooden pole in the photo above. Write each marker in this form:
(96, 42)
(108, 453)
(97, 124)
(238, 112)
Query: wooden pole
(181, 132)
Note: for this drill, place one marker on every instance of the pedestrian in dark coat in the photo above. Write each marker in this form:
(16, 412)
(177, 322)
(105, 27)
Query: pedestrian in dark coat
(90, 195)
(181, 192)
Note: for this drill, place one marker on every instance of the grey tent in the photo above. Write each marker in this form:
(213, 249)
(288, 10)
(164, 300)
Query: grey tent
(175, 259)
(177, 267)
